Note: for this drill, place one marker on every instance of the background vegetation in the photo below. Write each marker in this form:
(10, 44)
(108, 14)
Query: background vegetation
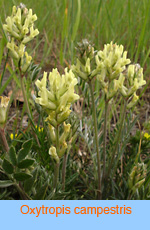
(62, 24)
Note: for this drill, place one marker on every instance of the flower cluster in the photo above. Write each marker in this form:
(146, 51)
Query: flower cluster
(137, 176)
(111, 62)
(129, 83)
(4, 101)
(58, 98)
(85, 50)
(20, 27)
(111, 70)
(84, 66)
(115, 77)
(64, 140)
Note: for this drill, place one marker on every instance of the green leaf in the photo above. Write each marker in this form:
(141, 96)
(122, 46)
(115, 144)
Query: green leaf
(77, 21)
(12, 155)
(35, 69)
(5, 195)
(22, 176)
(41, 192)
(5, 183)
(27, 145)
(28, 184)
(7, 166)
(2, 45)
(14, 76)
(147, 181)
(25, 163)
(3, 87)
(23, 152)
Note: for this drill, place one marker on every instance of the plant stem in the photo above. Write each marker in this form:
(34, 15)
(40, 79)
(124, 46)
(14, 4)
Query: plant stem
(105, 137)
(56, 170)
(57, 138)
(4, 69)
(4, 140)
(115, 152)
(56, 175)
(64, 171)
(26, 103)
(22, 193)
(99, 193)
(25, 96)
(139, 151)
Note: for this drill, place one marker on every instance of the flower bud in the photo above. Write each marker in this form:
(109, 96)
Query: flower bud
(134, 81)
(4, 101)
(52, 133)
(53, 154)
(64, 115)
(133, 101)
(137, 177)
(51, 119)
(65, 133)
(87, 66)
(63, 149)
(21, 50)
(14, 10)
(85, 50)
(25, 62)
(33, 33)
(13, 49)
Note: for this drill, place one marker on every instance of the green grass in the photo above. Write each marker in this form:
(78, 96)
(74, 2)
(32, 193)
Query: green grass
(62, 24)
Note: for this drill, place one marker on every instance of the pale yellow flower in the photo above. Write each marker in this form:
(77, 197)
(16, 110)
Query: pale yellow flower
(4, 101)
(20, 28)
(58, 97)
(53, 154)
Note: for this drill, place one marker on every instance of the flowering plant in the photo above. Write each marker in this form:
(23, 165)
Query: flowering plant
(20, 28)
(56, 100)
